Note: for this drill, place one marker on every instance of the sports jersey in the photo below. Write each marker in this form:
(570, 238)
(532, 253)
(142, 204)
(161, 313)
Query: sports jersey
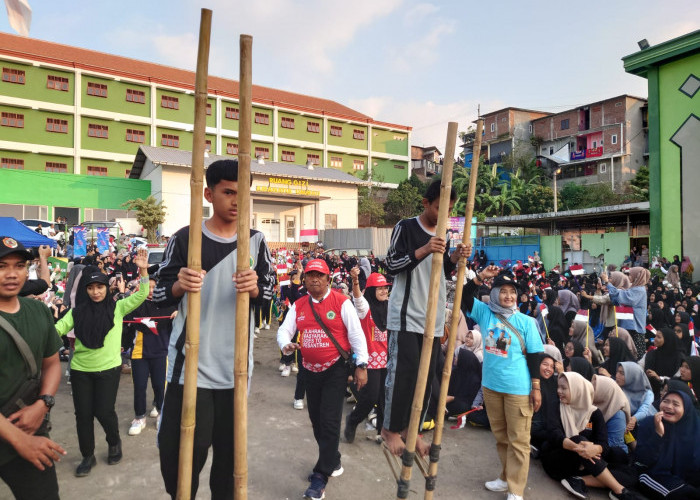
(376, 338)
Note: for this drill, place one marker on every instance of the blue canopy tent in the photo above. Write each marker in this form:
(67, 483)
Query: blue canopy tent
(9, 226)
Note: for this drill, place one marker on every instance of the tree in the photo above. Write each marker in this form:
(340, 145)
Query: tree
(149, 213)
(370, 210)
(404, 201)
(640, 184)
(539, 199)
(572, 196)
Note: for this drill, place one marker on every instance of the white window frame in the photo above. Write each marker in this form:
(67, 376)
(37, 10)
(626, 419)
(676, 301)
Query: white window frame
(493, 127)
(602, 168)
(613, 139)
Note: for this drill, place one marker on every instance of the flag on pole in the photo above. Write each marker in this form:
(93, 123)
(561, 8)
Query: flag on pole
(19, 13)
(576, 270)
(582, 315)
(308, 235)
(624, 313)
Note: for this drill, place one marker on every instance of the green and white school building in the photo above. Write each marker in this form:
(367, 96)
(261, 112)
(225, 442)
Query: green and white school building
(73, 121)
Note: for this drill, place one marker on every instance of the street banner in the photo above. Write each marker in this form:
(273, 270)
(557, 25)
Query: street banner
(79, 241)
(102, 240)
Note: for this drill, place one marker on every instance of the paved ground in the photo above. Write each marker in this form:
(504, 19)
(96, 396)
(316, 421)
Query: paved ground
(281, 453)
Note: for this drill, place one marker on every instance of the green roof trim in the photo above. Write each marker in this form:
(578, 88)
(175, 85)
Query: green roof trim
(640, 62)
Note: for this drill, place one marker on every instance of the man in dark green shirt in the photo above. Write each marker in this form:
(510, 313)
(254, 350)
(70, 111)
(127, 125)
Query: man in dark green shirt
(26, 452)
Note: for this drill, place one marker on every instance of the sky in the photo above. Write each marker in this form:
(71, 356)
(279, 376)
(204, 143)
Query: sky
(406, 62)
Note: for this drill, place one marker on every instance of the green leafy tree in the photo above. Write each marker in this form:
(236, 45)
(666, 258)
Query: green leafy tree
(149, 213)
(539, 199)
(370, 210)
(572, 196)
(404, 201)
(640, 184)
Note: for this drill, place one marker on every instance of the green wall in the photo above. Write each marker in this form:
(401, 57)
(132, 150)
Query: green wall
(550, 250)
(34, 130)
(300, 131)
(69, 190)
(614, 246)
(35, 85)
(37, 162)
(388, 171)
(385, 141)
(116, 97)
(346, 140)
(299, 154)
(114, 168)
(260, 129)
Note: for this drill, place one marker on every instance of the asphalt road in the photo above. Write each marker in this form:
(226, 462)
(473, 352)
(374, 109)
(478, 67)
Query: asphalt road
(281, 453)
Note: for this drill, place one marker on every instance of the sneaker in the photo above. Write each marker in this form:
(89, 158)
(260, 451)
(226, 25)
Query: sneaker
(496, 485)
(154, 412)
(350, 429)
(126, 369)
(575, 486)
(338, 471)
(85, 466)
(534, 452)
(286, 371)
(429, 425)
(351, 399)
(295, 368)
(114, 454)
(257, 330)
(267, 326)
(316, 489)
(282, 365)
(137, 425)
(513, 496)
(625, 494)
(298, 404)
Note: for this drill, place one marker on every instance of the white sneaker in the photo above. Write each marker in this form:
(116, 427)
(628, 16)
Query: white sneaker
(282, 365)
(267, 326)
(137, 425)
(154, 412)
(257, 330)
(298, 404)
(295, 368)
(496, 485)
(286, 371)
(513, 496)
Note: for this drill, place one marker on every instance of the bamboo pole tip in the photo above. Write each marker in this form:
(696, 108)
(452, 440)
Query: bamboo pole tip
(247, 38)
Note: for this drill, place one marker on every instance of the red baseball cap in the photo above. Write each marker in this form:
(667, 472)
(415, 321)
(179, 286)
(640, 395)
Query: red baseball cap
(377, 279)
(317, 265)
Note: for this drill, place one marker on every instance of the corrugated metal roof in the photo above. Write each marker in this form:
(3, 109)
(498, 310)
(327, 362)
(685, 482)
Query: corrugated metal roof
(182, 158)
(511, 220)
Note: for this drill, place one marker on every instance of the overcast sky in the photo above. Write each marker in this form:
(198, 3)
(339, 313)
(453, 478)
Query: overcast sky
(408, 62)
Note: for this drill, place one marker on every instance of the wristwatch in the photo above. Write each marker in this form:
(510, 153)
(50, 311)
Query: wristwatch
(48, 400)
(362, 365)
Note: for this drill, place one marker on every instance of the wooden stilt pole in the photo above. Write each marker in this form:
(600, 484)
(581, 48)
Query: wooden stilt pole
(429, 333)
(194, 261)
(240, 366)
(431, 477)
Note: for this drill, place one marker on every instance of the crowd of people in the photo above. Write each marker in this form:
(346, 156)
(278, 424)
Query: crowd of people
(596, 376)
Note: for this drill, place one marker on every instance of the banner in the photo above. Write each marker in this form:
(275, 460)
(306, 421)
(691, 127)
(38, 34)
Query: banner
(455, 231)
(79, 241)
(102, 240)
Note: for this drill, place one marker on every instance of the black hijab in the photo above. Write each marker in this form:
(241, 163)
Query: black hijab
(658, 318)
(665, 360)
(581, 366)
(619, 352)
(379, 309)
(578, 349)
(92, 320)
(549, 408)
(685, 343)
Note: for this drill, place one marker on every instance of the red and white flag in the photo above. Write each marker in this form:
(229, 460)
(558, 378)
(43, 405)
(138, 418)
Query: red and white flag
(624, 313)
(152, 325)
(582, 315)
(19, 13)
(576, 270)
(308, 235)
(544, 311)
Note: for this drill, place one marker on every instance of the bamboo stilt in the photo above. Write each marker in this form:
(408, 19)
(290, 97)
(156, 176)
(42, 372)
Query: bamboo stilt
(431, 476)
(240, 367)
(194, 261)
(429, 333)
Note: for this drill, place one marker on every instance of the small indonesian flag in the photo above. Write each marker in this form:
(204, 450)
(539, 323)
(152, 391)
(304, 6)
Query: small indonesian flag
(152, 325)
(281, 268)
(582, 315)
(284, 279)
(576, 269)
(543, 310)
(651, 330)
(308, 235)
(624, 313)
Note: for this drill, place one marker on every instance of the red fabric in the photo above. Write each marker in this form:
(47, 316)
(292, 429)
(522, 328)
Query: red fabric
(376, 343)
(318, 351)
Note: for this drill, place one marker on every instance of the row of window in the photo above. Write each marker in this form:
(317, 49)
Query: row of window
(52, 166)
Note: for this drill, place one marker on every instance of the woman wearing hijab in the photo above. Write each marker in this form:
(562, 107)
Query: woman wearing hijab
(372, 310)
(624, 335)
(663, 362)
(96, 363)
(687, 269)
(465, 382)
(690, 374)
(581, 366)
(636, 298)
(636, 387)
(574, 453)
(554, 326)
(569, 304)
(474, 344)
(511, 375)
(573, 348)
(673, 280)
(539, 432)
(612, 402)
(667, 452)
(685, 339)
(583, 335)
(621, 282)
(615, 351)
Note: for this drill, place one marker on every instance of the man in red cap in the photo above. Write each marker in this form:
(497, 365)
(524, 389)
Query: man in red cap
(26, 453)
(320, 317)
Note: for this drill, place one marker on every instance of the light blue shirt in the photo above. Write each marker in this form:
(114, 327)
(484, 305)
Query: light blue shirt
(505, 367)
(636, 298)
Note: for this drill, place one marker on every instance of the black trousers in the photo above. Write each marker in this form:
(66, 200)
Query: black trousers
(29, 483)
(94, 396)
(214, 428)
(371, 394)
(140, 370)
(263, 312)
(560, 463)
(300, 388)
(325, 394)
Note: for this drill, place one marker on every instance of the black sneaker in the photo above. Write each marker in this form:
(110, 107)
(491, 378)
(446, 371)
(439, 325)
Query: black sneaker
(625, 494)
(85, 466)
(575, 486)
(316, 489)
(349, 429)
(114, 454)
